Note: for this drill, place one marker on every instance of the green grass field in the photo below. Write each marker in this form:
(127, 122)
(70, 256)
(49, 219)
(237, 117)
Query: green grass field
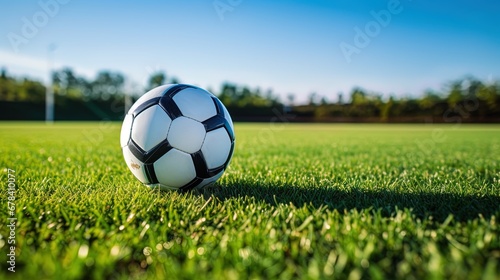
(298, 201)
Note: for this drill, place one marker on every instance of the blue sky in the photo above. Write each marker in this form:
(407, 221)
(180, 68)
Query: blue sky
(289, 46)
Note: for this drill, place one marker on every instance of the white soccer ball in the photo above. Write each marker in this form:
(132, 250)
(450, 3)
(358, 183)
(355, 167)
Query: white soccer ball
(177, 137)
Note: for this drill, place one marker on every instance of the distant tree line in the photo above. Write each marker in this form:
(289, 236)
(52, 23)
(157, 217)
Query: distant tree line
(108, 95)
(464, 100)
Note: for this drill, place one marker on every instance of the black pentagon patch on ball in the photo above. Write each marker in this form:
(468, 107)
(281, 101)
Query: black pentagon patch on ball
(219, 120)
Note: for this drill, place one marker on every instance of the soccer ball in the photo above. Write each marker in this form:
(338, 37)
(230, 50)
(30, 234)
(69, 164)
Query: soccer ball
(177, 137)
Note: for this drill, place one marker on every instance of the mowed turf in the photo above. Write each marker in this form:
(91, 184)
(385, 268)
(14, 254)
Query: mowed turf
(308, 201)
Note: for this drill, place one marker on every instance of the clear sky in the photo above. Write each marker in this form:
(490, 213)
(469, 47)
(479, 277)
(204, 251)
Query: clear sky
(400, 47)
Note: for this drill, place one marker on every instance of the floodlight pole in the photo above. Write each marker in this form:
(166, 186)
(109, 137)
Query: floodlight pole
(49, 93)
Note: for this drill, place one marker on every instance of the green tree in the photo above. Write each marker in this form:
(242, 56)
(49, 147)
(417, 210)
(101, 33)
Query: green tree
(7, 86)
(156, 79)
(385, 111)
(65, 82)
(429, 100)
(455, 94)
(489, 94)
(24, 89)
(228, 94)
(30, 90)
(358, 97)
(312, 99)
(107, 84)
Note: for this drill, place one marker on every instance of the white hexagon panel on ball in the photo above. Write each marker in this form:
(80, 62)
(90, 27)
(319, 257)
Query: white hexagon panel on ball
(150, 127)
(216, 148)
(186, 135)
(204, 109)
(175, 169)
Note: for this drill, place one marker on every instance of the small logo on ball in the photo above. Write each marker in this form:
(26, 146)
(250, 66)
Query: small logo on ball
(135, 165)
